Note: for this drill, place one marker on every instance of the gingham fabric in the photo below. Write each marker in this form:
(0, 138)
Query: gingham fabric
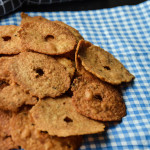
(125, 32)
(7, 6)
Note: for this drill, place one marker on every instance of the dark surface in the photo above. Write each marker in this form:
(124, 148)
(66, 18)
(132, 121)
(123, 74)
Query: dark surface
(79, 5)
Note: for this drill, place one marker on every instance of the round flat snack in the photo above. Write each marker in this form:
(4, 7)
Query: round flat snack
(6, 141)
(97, 100)
(102, 64)
(77, 35)
(58, 117)
(47, 38)
(39, 74)
(68, 64)
(9, 40)
(24, 132)
(12, 97)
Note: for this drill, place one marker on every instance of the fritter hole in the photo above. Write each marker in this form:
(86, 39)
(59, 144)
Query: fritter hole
(49, 37)
(68, 120)
(98, 97)
(6, 38)
(39, 71)
(106, 67)
(43, 132)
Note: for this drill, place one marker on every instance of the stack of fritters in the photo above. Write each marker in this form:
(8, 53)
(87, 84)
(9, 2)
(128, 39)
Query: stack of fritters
(55, 86)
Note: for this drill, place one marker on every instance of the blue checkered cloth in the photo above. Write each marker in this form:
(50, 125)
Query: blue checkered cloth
(125, 32)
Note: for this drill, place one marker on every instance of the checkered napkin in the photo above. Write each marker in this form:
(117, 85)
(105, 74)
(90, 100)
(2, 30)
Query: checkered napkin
(7, 6)
(125, 32)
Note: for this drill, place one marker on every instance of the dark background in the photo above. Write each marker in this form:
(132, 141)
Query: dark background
(79, 5)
